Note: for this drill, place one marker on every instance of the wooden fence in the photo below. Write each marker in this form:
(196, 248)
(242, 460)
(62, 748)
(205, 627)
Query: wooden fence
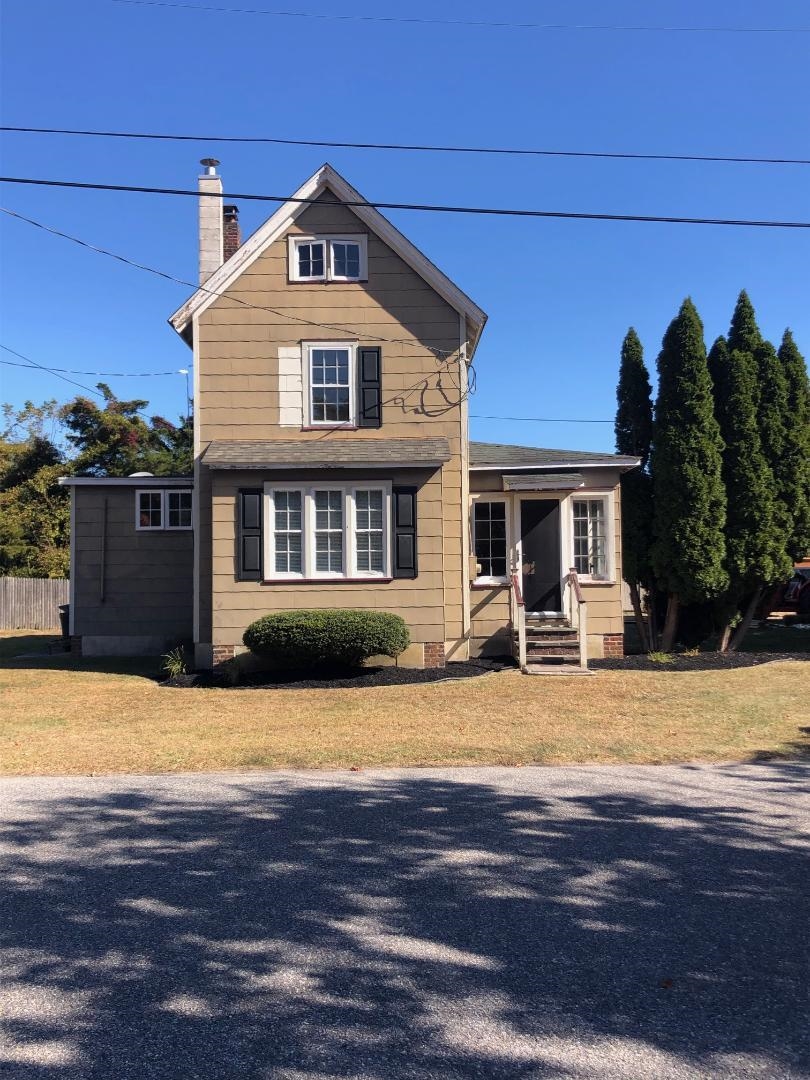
(31, 603)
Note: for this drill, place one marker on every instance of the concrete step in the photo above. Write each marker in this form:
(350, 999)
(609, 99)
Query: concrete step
(556, 669)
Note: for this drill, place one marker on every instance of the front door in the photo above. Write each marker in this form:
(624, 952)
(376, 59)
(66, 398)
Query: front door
(540, 542)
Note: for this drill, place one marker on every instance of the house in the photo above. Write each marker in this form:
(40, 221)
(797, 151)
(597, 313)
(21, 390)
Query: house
(333, 466)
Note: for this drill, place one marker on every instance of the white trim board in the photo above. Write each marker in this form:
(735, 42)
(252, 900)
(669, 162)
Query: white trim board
(286, 215)
(127, 481)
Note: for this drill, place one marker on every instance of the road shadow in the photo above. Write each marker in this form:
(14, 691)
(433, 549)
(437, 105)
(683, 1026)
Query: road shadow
(403, 926)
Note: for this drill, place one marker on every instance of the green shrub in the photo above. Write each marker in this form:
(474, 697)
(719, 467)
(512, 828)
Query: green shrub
(339, 636)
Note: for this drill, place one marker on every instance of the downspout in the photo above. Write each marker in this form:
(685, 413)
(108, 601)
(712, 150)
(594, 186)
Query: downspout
(103, 567)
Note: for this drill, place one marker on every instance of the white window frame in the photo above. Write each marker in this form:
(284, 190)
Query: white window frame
(308, 560)
(307, 350)
(606, 499)
(293, 242)
(149, 528)
(386, 530)
(164, 510)
(494, 496)
(270, 491)
(167, 494)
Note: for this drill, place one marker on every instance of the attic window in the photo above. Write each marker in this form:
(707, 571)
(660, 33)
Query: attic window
(328, 258)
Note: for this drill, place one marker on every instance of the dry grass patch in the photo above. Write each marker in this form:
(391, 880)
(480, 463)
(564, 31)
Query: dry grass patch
(58, 717)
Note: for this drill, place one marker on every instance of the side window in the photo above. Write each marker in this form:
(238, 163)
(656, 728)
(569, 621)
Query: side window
(489, 530)
(591, 538)
(331, 384)
(163, 509)
(149, 510)
(178, 513)
(310, 262)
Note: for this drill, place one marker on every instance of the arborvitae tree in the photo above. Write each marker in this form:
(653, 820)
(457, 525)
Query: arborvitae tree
(755, 541)
(744, 334)
(634, 437)
(689, 498)
(797, 445)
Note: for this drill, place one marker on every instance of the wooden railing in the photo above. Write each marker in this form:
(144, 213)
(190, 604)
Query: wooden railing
(577, 597)
(517, 610)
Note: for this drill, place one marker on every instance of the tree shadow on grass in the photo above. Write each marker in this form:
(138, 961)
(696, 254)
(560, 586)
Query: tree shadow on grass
(402, 926)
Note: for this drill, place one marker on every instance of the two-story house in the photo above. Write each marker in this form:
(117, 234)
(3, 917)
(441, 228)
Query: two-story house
(333, 467)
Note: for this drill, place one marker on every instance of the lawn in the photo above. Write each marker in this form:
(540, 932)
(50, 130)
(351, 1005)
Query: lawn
(59, 715)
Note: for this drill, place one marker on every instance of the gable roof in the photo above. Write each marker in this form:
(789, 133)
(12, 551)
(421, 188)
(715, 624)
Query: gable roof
(328, 178)
(505, 456)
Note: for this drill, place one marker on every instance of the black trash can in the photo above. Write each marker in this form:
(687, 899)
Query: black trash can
(64, 622)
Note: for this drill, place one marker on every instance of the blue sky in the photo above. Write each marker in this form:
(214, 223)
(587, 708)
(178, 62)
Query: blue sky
(560, 295)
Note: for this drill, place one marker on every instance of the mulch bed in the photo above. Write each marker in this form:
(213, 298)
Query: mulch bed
(327, 680)
(704, 661)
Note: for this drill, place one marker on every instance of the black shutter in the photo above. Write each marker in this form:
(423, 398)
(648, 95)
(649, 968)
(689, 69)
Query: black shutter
(249, 535)
(404, 529)
(369, 373)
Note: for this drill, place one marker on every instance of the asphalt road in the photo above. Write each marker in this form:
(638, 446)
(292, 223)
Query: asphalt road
(618, 923)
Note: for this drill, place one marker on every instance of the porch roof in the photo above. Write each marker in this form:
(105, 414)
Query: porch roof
(506, 456)
(327, 453)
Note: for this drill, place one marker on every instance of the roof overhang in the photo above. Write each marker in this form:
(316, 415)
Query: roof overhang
(285, 455)
(126, 481)
(623, 464)
(276, 226)
(544, 481)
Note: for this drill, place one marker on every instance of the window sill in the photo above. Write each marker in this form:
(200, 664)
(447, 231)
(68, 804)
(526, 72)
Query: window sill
(494, 583)
(330, 427)
(597, 581)
(328, 581)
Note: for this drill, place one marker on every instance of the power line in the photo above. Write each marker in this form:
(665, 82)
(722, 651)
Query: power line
(104, 374)
(480, 24)
(437, 149)
(539, 419)
(441, 209)
(44, 367)
(446, 353)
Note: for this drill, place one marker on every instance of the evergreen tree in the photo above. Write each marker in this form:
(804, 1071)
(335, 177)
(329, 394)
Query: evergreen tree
(743, 334)
(755, 540)
(688, 552)
(796, 474)
(633, 437)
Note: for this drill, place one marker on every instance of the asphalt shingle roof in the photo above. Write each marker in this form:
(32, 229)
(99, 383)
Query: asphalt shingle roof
(510, 457)
(326, 453)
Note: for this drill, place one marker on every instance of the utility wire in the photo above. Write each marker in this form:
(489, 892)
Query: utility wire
(470, 22)
(474, 210)
(445, 353)
(335, 144)
(104, 374)
(539, 419)
(44, 367)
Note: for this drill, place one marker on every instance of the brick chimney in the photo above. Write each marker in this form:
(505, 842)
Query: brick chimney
(211, 220)
(230, 227)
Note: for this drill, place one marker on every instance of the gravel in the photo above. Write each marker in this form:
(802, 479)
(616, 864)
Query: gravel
(590, 923)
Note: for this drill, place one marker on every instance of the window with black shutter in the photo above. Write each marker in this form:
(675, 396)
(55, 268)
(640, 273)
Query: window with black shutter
(369, 374)
(249, 538)
(404, 532)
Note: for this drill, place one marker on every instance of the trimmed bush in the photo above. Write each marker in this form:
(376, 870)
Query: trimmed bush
(339, 636)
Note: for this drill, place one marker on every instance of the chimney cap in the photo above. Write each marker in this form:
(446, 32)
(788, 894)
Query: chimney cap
(210, 164)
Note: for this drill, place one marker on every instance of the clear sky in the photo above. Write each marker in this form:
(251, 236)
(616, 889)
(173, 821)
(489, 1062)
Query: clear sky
(560, 294)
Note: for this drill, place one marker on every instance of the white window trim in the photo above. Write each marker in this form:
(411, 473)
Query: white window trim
(167, 493)
(495, 496)
(270, 532)
(149, 528)
(164, 509)
(385, 488)
(606, 498)
(306, 363)
(361, 239)
(308, 571)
